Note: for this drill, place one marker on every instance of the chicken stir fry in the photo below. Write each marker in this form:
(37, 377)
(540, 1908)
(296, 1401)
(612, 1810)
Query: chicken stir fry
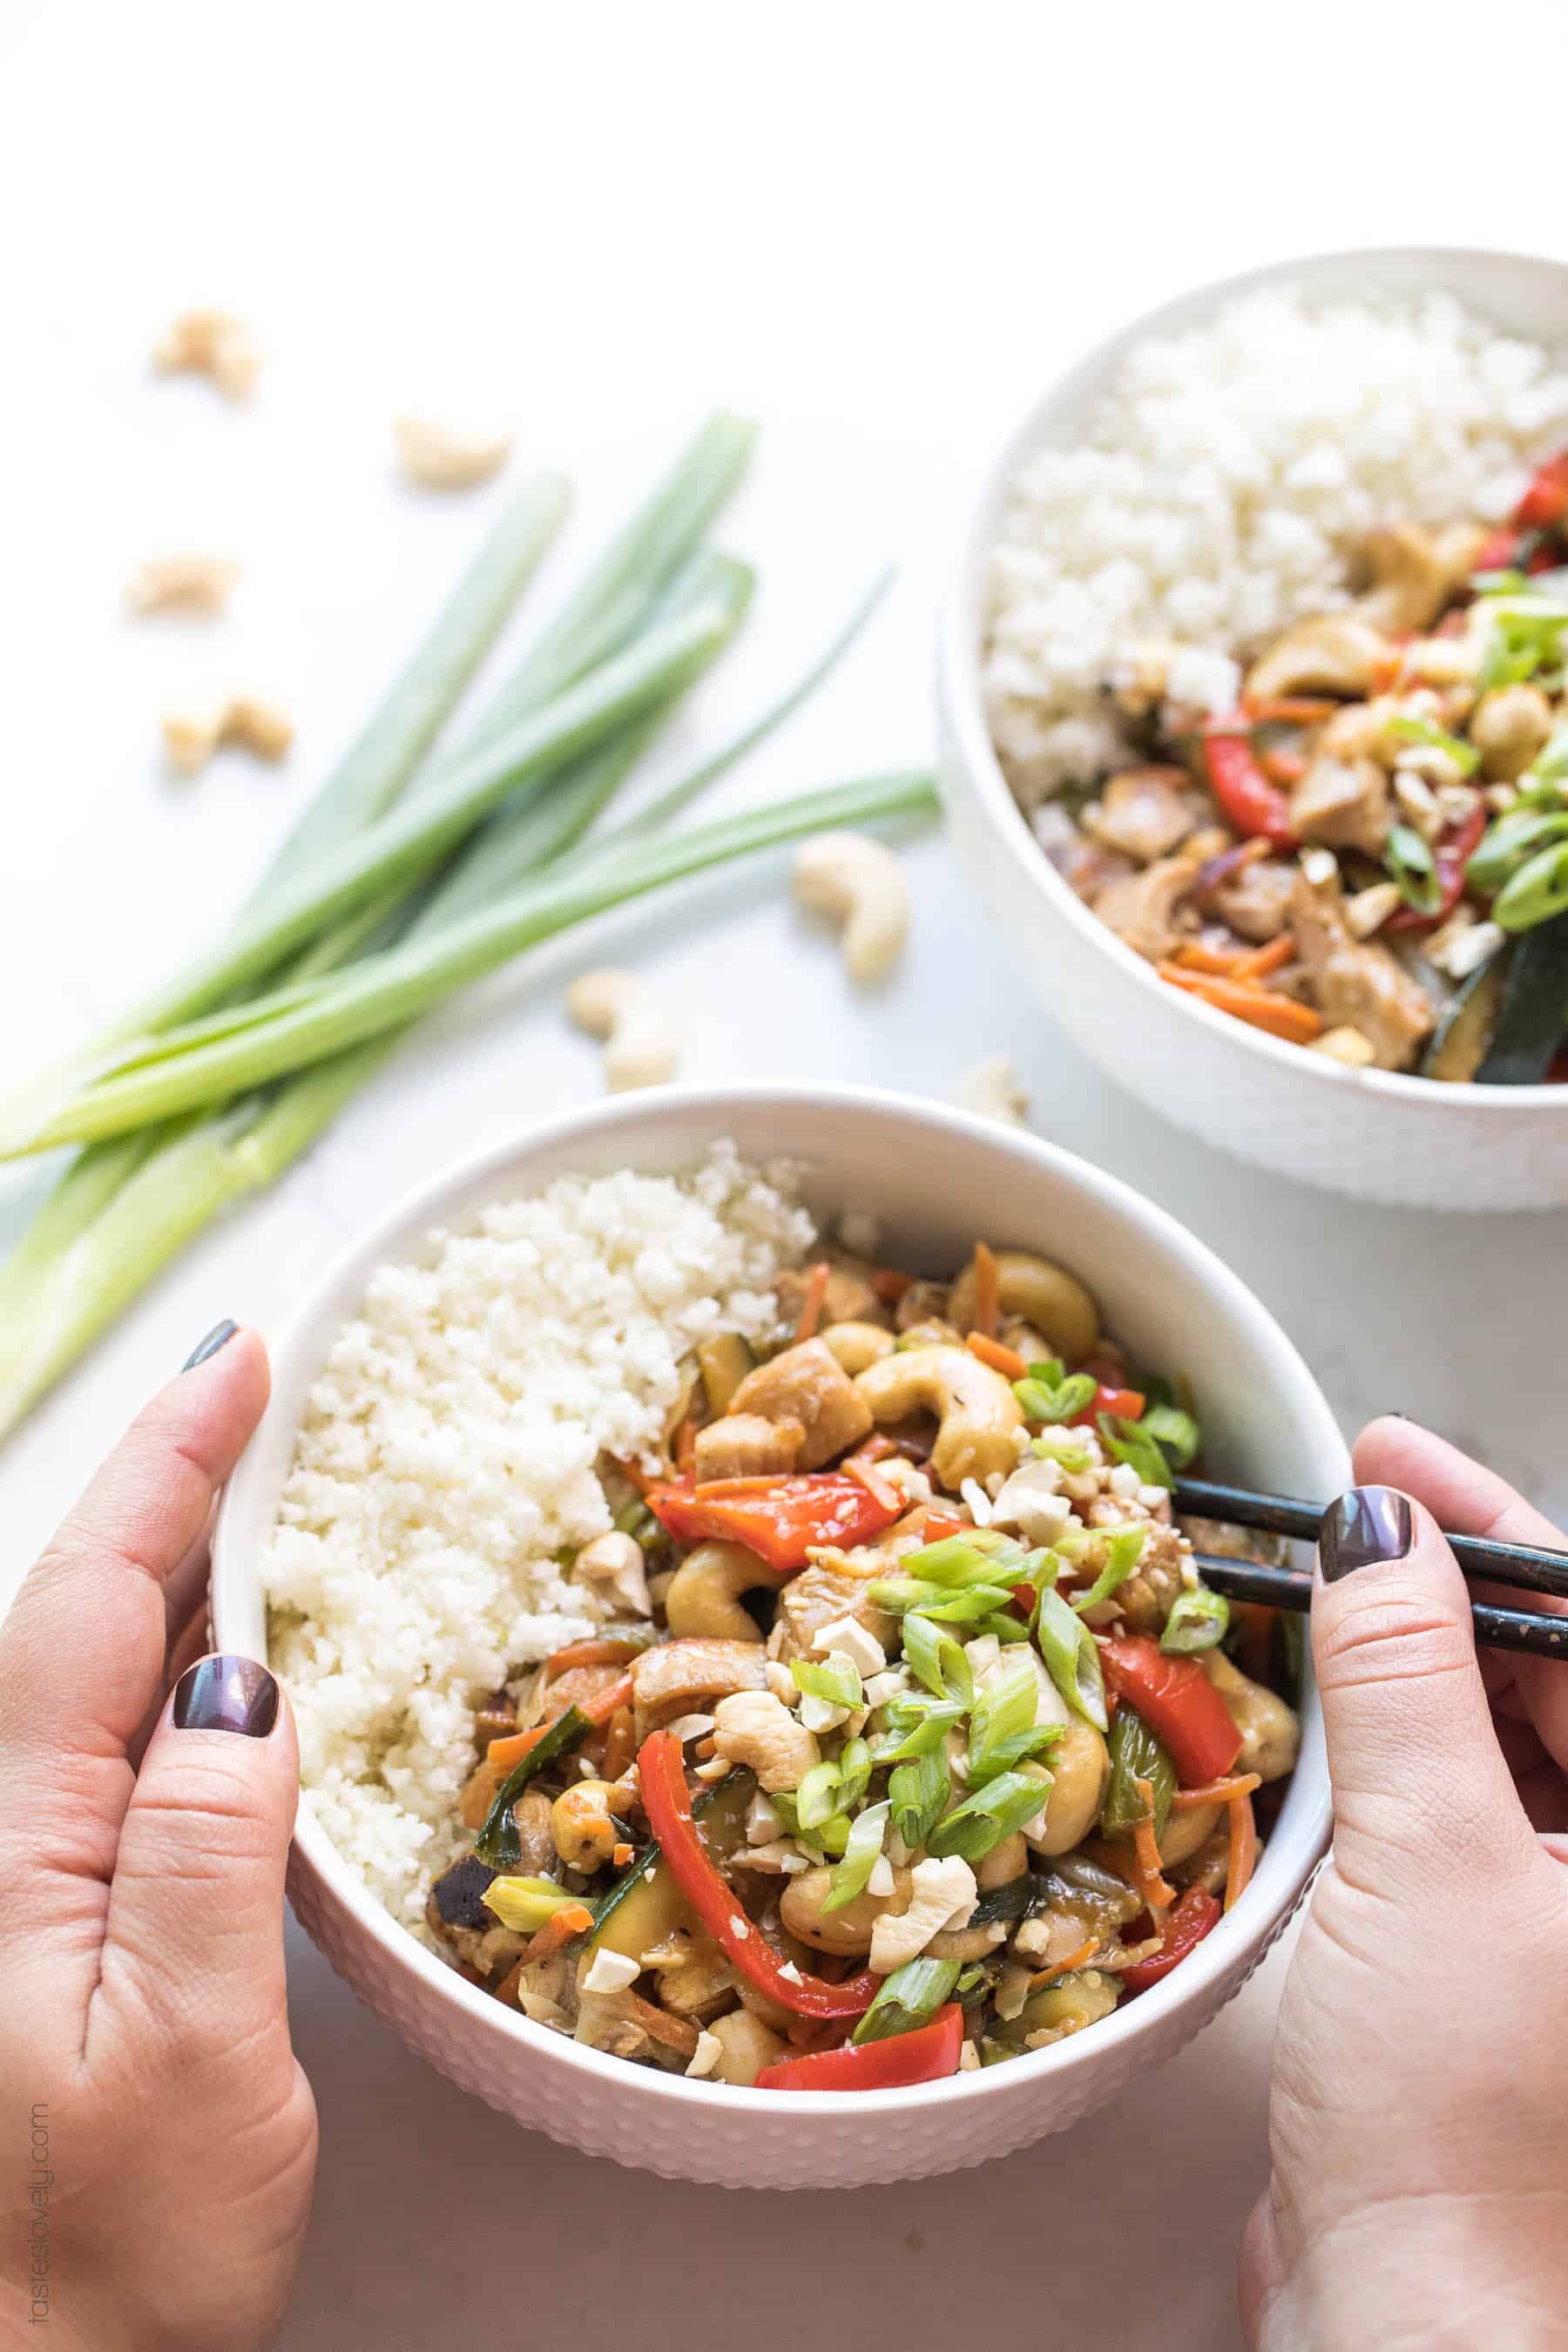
(912, 1740)
(1369, 857)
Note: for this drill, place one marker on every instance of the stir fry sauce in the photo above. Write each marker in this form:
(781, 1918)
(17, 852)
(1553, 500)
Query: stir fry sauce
(1368, 857)
(914, 1742)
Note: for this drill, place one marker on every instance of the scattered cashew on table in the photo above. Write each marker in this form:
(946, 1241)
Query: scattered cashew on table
(440, 458)
(622, 1011)
(858, 883)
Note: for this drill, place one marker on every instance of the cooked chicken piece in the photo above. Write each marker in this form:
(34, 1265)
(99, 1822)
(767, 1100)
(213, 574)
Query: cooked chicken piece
(671, 1680)
(1344, 802)
(1144, 813)
(1413, 575)
(1329, 653)
(848, 1297)
(807, 1385)
(819, 1596)
(1255, 900)
(1357, 984)
(744, 1446)
(1508, 727)
(1142, 909)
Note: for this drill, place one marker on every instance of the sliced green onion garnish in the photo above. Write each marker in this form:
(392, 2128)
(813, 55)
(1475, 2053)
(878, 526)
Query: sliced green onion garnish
(1006, 1704)
(1175, 1432)
(987, 1815)
(834, 1680)
(861, 1855)
(1198, 1619)
(965, 1607)
(524, 1905)
(1122, 1553)
(1507, 841)
(1072, 1658)
(1410, 864)
(916, 1727)
(937, 1659)
(1052, 1445)
(910, 1997)
(816, 1799)
(917, 1792)
(1130, 1441)
(1536, 893)
(1464, 756)
(1028, 1746)
(1070, 1396)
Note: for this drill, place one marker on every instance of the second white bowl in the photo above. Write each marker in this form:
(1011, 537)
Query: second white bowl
(938, 1180)
(1375, 1133)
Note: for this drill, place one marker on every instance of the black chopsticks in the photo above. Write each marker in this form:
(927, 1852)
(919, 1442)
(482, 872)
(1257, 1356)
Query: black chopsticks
(1518, 1565)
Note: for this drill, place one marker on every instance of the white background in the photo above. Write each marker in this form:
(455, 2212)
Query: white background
(878, 228)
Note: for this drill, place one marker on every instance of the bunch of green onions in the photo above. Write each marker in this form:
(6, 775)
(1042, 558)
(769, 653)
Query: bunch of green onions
(410, 873)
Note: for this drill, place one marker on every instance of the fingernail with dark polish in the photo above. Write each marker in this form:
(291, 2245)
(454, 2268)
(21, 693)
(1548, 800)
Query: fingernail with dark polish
(1366, 1525)
(218, 1337)
(227, 1693)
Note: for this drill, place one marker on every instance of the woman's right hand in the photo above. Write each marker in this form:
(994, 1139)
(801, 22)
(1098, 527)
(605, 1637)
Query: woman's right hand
(1419, 2116)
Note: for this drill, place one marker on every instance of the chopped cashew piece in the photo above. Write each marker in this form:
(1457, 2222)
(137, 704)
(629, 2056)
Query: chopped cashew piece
(191, 734)
(618, 1008)
(858, 883)
(186, 583)
(1347, 1046)
(615, 1561)
(992, 1089)
(611, 1972)
(212, 343)
(942, 1895)
(706, 2055)
(1031, 1502)
(440, 459)
(755, 1727)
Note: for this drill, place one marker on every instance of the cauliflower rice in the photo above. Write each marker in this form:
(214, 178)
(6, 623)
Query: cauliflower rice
(444, 1474)
(1214, 491)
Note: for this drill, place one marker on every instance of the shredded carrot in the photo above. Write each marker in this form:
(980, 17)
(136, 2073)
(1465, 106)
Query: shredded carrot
(1292, 710)
(890, 1284)
(620, 1743)
(1266, 960)
(685, 1447)
(1214, 1792)
(1156, 1890)
(811, 1299)
(1282, 767)
(1264, 1008)
(560, 1928)
(987, 1291)
(877, 1447)
(590, 1654)
(1079, 1960)
(634, 1476)
(865, 1474)
(1243, 1849)
(504, 1753)
(621, 1855)
(1220, 962)
(1005, 1361)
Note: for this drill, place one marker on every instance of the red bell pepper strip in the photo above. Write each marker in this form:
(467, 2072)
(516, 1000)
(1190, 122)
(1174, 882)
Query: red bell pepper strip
(781, 1519)
(926, 2055)
(1495, 553)
(1127, 1404)
(662, 1779)
(1452, 854)
(1252, 803)
(1185, 1928)
(1179, 1704)
(1545, 502)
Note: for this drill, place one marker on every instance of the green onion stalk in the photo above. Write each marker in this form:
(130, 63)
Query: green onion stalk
(127, 1206)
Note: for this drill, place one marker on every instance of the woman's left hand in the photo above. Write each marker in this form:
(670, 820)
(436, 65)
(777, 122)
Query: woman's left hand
(144, 1822)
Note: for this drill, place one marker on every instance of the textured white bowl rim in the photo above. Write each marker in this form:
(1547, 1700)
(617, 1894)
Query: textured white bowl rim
(958, 660)
(236, 1549)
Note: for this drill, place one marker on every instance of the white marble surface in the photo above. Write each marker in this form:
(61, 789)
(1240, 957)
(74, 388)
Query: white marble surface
(877, 229)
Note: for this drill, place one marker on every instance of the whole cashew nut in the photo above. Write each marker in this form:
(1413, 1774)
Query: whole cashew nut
(1046, 1295)
(858, 883)
(192, 733)
(212, 343)
(617, 1007)
(704, 1593)
(976, 1407)
(441, 459)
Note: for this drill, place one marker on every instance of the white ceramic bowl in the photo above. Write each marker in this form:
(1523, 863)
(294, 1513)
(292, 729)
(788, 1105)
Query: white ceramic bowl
(938, 1180)
(1374, 1133)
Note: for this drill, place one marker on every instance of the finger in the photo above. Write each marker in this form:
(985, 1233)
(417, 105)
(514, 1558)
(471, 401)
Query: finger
(194, 1936)
(1474, 1501)
(1421, 1790)
(81, 1655)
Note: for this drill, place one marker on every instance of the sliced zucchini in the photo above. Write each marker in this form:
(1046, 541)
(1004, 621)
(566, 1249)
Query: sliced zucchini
(641, 1908)
(1462, 1037)
(1534, 1009)
(724, 1362)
